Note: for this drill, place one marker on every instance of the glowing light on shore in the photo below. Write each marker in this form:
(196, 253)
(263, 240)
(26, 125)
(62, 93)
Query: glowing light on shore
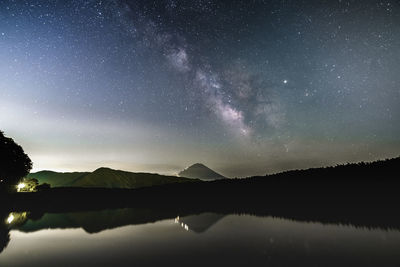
(20, 186)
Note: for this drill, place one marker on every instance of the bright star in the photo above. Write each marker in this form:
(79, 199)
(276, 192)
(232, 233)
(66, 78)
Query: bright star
(285, 81)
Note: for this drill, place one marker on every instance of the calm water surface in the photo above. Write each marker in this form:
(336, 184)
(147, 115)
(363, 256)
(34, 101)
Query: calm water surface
(114, 238)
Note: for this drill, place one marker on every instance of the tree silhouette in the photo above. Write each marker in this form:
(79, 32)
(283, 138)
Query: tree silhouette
(4, 232)
(4, 239)
(14, 163)
(43, 187)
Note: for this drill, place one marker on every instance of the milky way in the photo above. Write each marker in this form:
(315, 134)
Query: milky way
(246, 87)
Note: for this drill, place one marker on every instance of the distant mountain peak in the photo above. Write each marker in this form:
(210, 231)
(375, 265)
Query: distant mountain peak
(103, 169)
(200, 171)
(201, 165)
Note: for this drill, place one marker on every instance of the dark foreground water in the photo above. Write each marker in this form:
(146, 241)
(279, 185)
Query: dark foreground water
(119, 238)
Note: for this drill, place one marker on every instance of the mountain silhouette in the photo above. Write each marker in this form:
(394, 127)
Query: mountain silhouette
(57, 179)
(200, 171)
(104, 178)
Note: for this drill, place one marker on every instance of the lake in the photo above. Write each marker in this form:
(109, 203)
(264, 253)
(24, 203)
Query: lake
(125, 237)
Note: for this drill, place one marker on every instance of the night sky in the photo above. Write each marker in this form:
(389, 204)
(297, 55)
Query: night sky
(245, 87)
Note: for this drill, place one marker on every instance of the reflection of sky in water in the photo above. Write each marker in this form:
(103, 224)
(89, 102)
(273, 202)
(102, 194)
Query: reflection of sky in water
(10, 218)
(233, 240)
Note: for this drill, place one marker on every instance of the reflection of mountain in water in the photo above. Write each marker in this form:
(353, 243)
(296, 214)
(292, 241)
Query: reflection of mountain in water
(92, 221)
(97, 221)
(236, 240)
(199, 223)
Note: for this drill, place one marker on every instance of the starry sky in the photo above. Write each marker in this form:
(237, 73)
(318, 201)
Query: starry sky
(245, 87)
